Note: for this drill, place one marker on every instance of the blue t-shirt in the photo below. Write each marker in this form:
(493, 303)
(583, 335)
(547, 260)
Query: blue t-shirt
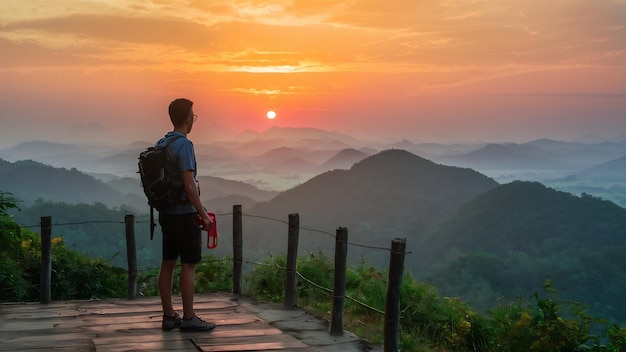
(180, 157)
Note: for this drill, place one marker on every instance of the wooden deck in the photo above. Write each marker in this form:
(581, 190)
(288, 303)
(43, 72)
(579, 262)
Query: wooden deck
(123, 325)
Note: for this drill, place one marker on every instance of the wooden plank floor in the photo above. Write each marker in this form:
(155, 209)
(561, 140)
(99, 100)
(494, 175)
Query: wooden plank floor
(114, 325)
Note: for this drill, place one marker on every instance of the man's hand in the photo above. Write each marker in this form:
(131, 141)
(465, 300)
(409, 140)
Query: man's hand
(206, 221)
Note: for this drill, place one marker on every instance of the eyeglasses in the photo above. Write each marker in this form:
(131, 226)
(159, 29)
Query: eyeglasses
(194, 117)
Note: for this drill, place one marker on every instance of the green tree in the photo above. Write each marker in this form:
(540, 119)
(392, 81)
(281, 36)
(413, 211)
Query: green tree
(13, 283)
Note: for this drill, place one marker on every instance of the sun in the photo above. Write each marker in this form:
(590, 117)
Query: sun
(271, 115)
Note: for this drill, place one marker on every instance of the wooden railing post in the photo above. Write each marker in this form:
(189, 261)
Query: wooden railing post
(339, 288)
(392, 304)
(237, 248)
(131, 254)
(292, 259)
(45, 287)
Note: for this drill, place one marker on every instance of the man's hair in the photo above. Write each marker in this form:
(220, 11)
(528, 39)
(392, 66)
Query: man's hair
(179, 111)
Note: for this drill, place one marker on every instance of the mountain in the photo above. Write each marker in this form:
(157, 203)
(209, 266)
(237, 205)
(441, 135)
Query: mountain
(29, 180)
(299, 133)
(584, 154)
(468, 235)
(507, 241)
(620, 139)
(344, 159)
(98, 158)
(67, 155)
(40, 148)
(280, 154)
(540, 154)
(434, 150)
(534, 214)
(509, 156)
(391, 194)
(215, 187)
(590, 138)
(613, 167)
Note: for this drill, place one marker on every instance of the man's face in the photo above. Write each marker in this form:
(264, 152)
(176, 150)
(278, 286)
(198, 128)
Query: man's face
(191, 119)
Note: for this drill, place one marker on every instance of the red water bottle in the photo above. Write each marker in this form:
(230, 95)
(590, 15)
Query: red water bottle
(211, 241)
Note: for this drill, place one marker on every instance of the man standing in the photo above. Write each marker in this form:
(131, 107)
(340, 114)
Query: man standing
(181, 235)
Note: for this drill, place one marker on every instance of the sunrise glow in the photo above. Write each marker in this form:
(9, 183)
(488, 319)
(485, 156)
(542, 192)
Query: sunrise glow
(460, 70)
(271, 115)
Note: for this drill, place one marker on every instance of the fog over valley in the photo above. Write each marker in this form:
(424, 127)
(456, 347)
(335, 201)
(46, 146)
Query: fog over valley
(281, 158)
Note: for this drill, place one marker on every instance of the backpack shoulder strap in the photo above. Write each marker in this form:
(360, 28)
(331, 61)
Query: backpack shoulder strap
(152, 222)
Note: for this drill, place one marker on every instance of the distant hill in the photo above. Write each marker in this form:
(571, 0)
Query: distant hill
(30, 180)
(613, 167)
(510, 239)
(217, 193)
(261, 150)
(215, 187)
(541, 154)
(344, 159)
(585, 154)
(65, 155)
(509, 156)
(299, 133)
(279, 154)
(434, 150)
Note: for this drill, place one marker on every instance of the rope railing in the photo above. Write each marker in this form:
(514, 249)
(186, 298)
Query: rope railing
(229, 259)
(219, 214)
(328, 290)
(391, 308)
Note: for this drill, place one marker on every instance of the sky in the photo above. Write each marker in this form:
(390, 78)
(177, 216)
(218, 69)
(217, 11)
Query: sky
(421, 70)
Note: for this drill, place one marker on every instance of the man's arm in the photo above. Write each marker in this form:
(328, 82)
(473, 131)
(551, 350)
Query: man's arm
(189, 185)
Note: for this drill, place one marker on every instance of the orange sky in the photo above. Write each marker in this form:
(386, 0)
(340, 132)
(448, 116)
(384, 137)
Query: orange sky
(423, 70)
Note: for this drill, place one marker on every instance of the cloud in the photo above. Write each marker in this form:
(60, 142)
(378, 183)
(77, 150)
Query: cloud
(126, 29)
(403, 56)
(366, 35)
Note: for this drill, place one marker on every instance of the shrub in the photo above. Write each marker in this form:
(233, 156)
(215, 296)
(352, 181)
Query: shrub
(213, 275)
(75, 276)
(267, 281)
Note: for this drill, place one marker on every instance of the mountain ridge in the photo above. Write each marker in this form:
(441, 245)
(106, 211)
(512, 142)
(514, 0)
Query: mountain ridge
(509, 240)
(391, 187)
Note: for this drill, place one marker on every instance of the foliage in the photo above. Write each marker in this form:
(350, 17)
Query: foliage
(102, 236)
(509, 240)
(266, 282)
(14, 284)
(433, 323)
(543, 324)
(74, 276)
(212, 275)
(428, 322)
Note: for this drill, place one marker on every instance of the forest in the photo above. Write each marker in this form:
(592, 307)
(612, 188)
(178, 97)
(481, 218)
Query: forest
(541, 322)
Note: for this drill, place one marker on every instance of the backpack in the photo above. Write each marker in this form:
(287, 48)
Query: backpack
(158, 185)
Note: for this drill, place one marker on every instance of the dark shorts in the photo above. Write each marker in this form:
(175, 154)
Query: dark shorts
(181, 237)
